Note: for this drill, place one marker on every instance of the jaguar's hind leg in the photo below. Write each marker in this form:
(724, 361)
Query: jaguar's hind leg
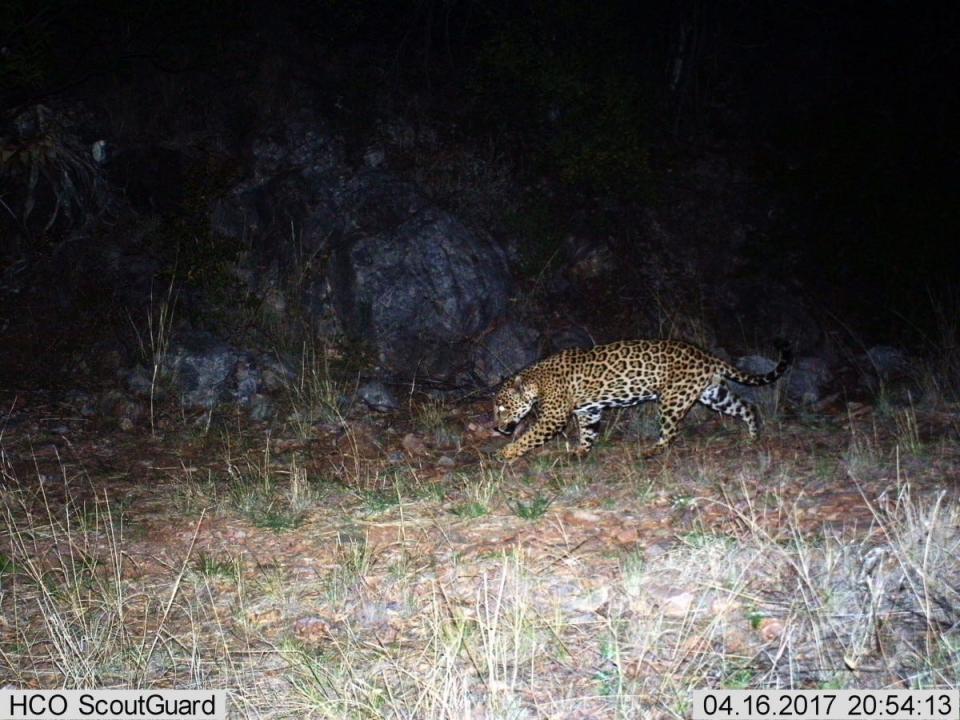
(720, 398)
(673, 408)
(587, 420)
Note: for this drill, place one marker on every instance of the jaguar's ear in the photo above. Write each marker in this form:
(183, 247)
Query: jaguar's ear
(517, 383)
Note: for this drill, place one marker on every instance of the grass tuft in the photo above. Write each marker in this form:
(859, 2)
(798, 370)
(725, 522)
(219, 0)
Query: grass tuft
(260, 493)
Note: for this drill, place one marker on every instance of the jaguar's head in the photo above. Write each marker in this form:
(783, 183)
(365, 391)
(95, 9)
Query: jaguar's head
(514, 400)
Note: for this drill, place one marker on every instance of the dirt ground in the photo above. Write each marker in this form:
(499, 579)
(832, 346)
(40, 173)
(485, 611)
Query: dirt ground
(388, 566)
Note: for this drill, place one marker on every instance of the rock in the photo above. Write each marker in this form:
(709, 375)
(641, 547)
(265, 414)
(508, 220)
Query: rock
(726, 607)
(590, 602)
(569, 337)
(200, 365)
(131, 271)
(678, 605)
(261, 408)
(303, 141)
(246, 377)
(763, 395)
(377, 396)
(416, 287)
(139, 380)
(657, 550)
(374, 157)
(108, 358)
(671, 601)
(263, 613)
(207, 371)
(887, 361)
(277, 373)
(888, 369)
(581, 518)
(375, 201)
(736, 640)
(627, 535)
(807, 380)
(369, 254)
(287, 208)
(312, 630)
(413, 444)
(770, 629)
(588, 262)
(128, 411)
(236, 215)
(755, 364)
(378, 614)
(503, 352)
(84, 402)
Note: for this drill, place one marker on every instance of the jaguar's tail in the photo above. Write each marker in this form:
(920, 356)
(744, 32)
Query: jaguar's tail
(786, 357)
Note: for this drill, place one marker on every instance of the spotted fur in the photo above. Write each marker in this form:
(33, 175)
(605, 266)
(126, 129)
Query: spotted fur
(583, 383)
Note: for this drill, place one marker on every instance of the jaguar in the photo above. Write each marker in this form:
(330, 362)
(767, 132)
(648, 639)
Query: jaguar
(585, 382)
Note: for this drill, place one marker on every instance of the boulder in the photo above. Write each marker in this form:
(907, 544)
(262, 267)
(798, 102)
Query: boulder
(370, 256)
(763, 395)
(504, 351)
(887, 361)
(207, 371)
(377, 396)
(807, 380)
(568, 337)
(415, 284)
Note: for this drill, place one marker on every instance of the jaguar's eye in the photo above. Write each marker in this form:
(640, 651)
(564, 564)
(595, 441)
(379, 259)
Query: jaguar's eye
(500, 408)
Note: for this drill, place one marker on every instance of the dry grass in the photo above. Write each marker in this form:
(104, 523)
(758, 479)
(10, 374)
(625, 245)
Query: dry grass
(316, 395)
(405, 591)
(155, 345)
(270, 496)
(80, 612)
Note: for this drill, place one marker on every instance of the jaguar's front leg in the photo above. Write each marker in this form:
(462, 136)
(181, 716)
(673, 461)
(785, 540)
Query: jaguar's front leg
(545, 427)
